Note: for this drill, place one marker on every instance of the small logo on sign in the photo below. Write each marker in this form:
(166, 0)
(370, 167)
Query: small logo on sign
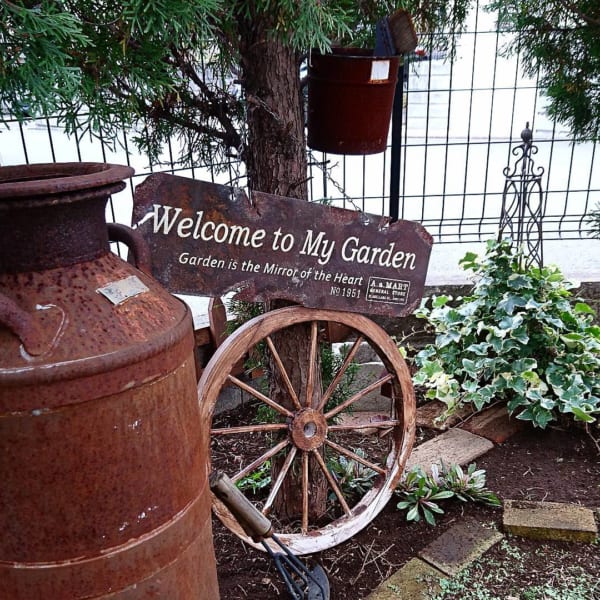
(388, 290)
(119, 291)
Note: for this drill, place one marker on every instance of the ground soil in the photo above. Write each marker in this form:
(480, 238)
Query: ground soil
(556, 464)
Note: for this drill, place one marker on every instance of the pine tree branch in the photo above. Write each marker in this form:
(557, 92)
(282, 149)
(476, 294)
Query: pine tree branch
(164, 111)
(571, 6)
(216, 105)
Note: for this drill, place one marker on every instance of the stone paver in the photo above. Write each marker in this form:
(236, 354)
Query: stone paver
(229, 398)
(549, 521)
(362, 417)
(411, 582)
(365, 352)
(455, 446)
(366, 374)
(494, 424)
(460, 545)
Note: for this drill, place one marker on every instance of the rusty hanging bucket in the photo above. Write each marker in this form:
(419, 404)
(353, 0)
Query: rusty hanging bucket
(103, 458)
(350, 100)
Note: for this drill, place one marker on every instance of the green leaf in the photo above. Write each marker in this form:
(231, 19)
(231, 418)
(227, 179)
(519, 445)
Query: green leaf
(594, 331)
(518, 281)
(526, 415)
(481, 349)
(413, 514)
(433, 507)
(510, 322)
(583, 308)
(531, 304)
(520, 334)
(470, 367)
(515, 403)
(439, 301)
(581, 415)
(442, 495)
(470, 385)
(555, 277)
(444, 339)
(453, 317)
(428, 516)
(524, 365)
(572, 339)
(469, 261)
(510, 302)
(547, 403)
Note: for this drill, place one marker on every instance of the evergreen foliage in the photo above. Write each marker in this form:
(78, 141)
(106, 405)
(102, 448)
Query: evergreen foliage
(561, 39)
(170, 68)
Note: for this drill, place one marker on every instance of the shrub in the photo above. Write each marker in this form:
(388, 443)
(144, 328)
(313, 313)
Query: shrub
(420, 492)
(352, 476)
(520, 336)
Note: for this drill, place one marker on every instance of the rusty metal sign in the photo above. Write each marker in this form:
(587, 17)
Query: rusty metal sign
(208, 239)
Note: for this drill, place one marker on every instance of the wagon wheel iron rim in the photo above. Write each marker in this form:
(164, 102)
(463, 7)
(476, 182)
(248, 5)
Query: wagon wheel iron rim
(312, 430)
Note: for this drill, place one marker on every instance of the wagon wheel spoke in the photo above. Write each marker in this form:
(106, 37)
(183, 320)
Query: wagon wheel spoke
(261, 428)
(312, 364)
(356, 457)
(305, 483)
(286, 379)
(341, 372)
(280, 477)
(332, 482)
(366, 425)
(248, 388)
(260, 461)
(373, 386)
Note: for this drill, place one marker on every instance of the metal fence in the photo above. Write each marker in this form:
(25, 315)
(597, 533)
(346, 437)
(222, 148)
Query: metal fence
(461, 119)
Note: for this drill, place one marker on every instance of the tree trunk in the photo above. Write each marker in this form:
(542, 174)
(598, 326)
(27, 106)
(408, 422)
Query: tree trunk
(275, 155)
(276, 162)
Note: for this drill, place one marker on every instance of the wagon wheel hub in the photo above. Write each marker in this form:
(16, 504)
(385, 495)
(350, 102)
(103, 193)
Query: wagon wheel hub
(308, 429)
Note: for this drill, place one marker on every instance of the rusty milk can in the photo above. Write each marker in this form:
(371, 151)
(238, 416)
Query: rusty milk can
(103, 459)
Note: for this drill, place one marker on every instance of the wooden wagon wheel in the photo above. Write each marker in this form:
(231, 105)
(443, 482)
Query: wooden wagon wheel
(317, 430)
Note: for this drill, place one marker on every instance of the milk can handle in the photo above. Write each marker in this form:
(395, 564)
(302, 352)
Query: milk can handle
(22, 324)
(135, 242)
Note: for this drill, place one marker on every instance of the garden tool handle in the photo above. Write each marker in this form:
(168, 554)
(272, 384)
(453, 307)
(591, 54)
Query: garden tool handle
(254, 523)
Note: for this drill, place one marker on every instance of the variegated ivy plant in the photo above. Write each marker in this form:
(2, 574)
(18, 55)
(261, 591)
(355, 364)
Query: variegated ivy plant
(520, 336)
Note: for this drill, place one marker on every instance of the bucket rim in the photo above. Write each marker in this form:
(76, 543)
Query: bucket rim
(352, 54)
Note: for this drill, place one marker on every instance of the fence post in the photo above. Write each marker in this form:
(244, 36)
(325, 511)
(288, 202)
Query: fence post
(396, 145)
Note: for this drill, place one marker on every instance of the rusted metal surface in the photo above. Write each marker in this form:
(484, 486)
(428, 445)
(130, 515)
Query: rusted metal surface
(23, 325)
(208, 239)
(49, 219)
(350, 98)
(139, 252)
(104, 457)
(43, 181)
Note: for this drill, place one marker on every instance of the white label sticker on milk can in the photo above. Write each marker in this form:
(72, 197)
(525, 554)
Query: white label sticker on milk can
(119, 291)
(380, 70)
